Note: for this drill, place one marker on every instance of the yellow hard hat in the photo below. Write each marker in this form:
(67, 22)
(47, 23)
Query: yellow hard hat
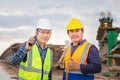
(74, 24)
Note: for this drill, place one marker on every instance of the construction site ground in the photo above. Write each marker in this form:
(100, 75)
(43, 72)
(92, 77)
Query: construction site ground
(8, 72)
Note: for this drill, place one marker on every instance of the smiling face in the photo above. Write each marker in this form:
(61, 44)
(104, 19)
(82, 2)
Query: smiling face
(76, 35)
(43, 35)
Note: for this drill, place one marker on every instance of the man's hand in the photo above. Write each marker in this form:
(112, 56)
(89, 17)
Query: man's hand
(30, 40)
(72, 65)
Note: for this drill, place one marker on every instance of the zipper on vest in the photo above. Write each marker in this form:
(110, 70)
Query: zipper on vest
(43, 65)
(42, 70)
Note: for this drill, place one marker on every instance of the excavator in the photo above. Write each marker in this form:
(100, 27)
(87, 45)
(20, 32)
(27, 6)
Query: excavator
(60, 62)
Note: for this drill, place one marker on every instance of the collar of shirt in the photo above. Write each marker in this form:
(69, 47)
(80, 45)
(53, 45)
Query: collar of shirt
(42, 51)
(75, 47)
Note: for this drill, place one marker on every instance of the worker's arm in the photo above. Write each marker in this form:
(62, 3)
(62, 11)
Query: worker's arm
(22, 52)
(94, 63)
(20, 55)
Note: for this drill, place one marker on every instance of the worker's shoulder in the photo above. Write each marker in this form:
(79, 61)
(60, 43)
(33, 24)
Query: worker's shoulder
(91, 44)
(93, 48)
(51, 50)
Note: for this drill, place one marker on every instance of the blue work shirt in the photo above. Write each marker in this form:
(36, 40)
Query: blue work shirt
(22, 53)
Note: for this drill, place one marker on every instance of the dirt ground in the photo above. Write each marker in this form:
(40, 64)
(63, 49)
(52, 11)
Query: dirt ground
(56, 75)
(12, 71)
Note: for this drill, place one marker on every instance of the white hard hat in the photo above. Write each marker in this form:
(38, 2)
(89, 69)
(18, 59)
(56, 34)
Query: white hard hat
(44, 23)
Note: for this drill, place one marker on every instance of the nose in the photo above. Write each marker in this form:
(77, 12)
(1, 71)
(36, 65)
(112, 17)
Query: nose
(74, 32)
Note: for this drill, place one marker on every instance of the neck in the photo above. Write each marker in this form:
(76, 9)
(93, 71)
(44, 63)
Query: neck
(75, 43)
(42, 45)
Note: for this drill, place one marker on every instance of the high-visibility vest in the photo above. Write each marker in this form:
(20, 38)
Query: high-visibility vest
(79, 56)
(33, 68)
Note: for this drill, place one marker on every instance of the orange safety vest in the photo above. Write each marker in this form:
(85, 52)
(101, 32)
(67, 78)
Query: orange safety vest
(80, 54)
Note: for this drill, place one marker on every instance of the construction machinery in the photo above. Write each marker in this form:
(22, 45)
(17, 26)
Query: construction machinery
(107, 36)
(109, 44)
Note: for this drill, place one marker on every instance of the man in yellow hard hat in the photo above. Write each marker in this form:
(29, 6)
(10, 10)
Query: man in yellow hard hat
(34, 57)
(82, 58)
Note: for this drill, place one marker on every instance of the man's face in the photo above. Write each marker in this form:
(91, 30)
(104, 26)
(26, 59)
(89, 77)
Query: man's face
(43, 35)
(75, 35)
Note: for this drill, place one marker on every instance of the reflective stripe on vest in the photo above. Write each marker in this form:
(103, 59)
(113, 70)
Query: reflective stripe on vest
(77, 72)
(32, 68)
(85, 53)
(83, 57)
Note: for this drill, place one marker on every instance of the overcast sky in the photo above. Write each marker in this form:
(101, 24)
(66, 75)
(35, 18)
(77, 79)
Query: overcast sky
(18, 18)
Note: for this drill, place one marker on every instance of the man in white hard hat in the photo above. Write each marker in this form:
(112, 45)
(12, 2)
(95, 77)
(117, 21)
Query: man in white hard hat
(34, 57)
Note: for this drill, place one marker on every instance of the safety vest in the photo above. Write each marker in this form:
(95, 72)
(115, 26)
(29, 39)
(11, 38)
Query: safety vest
(33, 68)
(80, 57)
